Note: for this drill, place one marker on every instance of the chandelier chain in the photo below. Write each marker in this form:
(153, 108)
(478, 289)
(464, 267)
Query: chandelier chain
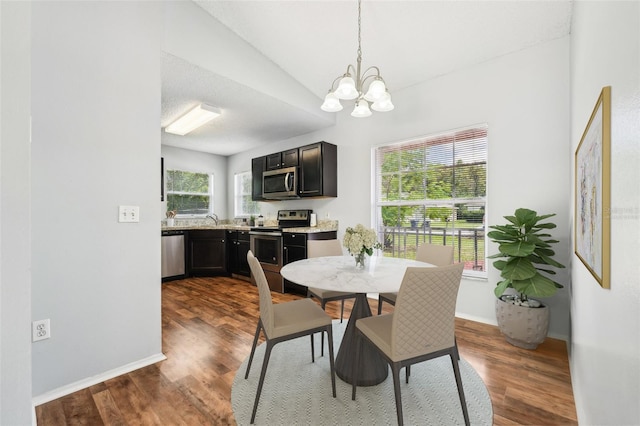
(359, 38)
(350, 85)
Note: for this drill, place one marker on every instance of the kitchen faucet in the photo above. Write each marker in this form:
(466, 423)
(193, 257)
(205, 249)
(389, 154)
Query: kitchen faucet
(214, 217)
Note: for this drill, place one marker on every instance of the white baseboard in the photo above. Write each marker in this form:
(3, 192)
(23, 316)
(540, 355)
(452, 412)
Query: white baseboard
(493, 322)
(90, 381)
(482, 320)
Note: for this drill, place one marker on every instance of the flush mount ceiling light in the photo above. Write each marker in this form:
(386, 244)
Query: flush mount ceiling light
(348, 88)
(193, 119)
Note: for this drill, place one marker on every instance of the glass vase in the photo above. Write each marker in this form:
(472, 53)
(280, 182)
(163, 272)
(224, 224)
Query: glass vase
(360, 258)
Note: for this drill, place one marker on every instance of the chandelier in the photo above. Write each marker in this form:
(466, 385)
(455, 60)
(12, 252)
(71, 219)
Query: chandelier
(348, 88)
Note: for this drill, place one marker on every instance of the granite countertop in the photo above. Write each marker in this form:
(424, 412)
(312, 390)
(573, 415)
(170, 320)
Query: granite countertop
(199, 224)
(311, 229)
(187, 227)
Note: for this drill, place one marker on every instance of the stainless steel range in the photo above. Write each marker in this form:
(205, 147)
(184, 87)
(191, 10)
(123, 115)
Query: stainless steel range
(266, 244)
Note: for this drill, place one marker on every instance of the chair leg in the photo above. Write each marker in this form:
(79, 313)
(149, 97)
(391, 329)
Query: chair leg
(395, 370)
(407, 372)
(456, 372)
(267, 355)
(253, 348)
(341, 310)
(356, 364)
(331, 359)
(379, 305)
(322, 304)
(313, 355)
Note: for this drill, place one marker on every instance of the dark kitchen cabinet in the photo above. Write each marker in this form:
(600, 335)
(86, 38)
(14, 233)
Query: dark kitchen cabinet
(294, 247)
(258, 165)
(206, 253)
(281, 160)
(318, 170)
(238, 245)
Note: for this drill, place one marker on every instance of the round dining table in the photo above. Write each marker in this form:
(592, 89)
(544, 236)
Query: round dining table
(339, 273)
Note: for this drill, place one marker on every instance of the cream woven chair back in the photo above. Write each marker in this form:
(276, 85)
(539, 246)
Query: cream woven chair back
(319, 248)
(423, 319)
(266, 308)
(435, 254)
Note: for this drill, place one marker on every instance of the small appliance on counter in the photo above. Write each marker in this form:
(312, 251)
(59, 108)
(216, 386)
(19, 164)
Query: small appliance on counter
(313, 220)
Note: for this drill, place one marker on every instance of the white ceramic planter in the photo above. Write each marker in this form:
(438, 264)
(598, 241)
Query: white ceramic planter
(522, 326)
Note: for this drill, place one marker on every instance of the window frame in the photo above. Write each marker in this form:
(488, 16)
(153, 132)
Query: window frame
(209, 194)
(481, 202)
(248, 196)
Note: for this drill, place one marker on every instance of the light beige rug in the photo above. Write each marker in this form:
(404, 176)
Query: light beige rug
(298, 392)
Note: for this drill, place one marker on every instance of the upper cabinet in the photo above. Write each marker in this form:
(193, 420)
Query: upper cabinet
(258, 165)
(317, 169)
(281, 160)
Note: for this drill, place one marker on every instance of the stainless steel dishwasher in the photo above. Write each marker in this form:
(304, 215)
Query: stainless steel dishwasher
(173, 255)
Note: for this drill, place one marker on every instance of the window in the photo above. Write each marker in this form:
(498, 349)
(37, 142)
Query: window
(244, 204)
(189, 193)
(433, 190)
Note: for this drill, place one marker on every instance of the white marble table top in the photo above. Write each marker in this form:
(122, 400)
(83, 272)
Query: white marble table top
(339, 273)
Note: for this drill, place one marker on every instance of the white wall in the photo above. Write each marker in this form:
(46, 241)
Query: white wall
(524, 98)
(605, 351)
(192, 161)
(96, 145)
(15, 214)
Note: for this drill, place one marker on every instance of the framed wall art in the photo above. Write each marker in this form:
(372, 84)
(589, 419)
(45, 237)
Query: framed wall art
(593, 192)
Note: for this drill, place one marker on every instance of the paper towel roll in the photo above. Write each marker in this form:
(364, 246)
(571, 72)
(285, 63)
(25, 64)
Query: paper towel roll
(313, 221)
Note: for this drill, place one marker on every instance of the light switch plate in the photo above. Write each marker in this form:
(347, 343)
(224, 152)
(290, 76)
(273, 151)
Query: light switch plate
(129, 214)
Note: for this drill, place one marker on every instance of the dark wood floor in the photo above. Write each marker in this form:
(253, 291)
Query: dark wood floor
(208, 325)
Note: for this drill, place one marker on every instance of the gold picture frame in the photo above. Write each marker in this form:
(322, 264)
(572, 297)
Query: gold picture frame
(593, 192)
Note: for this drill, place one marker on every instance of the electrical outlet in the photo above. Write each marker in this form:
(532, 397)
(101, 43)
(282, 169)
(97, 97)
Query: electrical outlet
(41, 330)
(129, 214)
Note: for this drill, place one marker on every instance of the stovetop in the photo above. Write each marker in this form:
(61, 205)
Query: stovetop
(288, 219)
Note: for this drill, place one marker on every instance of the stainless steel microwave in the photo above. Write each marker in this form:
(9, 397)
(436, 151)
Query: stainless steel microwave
(280, 183)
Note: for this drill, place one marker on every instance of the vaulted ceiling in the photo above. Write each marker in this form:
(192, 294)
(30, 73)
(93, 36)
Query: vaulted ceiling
(313, 41)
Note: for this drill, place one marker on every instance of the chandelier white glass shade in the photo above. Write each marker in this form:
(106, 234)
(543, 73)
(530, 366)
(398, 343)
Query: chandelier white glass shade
(347, 88)
(193, 119)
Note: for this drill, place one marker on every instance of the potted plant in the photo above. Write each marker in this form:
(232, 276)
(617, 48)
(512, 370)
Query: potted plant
(525, 261)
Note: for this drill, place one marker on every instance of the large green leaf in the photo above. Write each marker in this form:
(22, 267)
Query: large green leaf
(497, 256)
(550, 261)
(518, 248)
(537, 286)
(526, 218)
(500, 264)
(518, 268)
(504, 232)
(501, 287)
(544, 216)
(546, 225)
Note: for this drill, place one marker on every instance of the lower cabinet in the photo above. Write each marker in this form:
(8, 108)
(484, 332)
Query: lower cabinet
(238, 245)
(295, 248)
(206, 253)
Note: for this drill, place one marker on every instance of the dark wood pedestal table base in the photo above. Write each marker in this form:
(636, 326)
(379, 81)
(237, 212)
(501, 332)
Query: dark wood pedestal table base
(374, 368)
(338, 273)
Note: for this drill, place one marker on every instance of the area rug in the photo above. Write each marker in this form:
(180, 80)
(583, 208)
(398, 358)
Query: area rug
(298, 392)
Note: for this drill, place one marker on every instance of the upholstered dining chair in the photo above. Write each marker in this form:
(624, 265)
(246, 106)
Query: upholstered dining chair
(319, 248)
(420, 328)
(285, 321)
(434, 254)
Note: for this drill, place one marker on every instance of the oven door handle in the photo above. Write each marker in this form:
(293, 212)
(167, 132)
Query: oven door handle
(266, 234)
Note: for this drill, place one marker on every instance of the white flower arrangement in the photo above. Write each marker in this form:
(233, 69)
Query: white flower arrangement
(360, 240)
